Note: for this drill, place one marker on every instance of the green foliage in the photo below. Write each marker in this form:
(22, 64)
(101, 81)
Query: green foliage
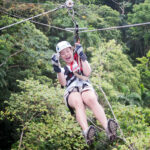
(113, 71)
(47, 124)
(1, 2)
(137, 121)
(144, 68)
(134, 123)
(88, 2)
(55, 133)
(5, 49)
(138, 37)
(25, 54)
(26, 10)
(131, 99)
(43, 118)
(25, 105)
(103, 17)
(124, 7)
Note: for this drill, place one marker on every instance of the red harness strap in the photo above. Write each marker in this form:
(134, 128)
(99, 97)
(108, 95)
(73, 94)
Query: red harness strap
(76, 59)
(72, 68)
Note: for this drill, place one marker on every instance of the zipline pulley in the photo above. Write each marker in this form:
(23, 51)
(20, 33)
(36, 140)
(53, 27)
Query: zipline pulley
(69, 4)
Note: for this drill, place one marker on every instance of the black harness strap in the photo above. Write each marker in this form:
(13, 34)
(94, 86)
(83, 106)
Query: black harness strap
(70, 76)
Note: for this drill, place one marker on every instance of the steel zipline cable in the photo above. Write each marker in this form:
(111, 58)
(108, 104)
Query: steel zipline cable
(39, 23)
(67, 29)
(117, 27)
(8, 26)
(27, 3)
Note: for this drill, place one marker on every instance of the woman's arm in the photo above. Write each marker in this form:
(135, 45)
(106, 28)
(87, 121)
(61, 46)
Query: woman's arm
(58, 69)
(61, 78)
(86, 68)
(85, 65)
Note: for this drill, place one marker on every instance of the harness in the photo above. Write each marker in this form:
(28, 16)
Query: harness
(74, 71)
(70, 76)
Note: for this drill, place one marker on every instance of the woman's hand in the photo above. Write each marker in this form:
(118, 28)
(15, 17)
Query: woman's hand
(55, 63)
(79, 50)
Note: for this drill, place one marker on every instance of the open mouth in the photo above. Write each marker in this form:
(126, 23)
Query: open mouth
(68, 58)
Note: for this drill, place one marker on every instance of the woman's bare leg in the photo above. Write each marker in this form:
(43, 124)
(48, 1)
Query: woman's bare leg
(90, 99)
(75, 101)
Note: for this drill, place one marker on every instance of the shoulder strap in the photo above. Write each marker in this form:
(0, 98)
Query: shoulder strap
(66, 70)
(68, 73)
(77, 59)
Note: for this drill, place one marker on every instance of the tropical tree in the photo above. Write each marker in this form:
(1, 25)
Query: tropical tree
(138, 37)
(24, 53)
(113, 71)
(103, 17)
(144, 68)
(41, 119)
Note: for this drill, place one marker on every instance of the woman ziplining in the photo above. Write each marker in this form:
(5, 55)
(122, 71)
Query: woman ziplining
(79, 92)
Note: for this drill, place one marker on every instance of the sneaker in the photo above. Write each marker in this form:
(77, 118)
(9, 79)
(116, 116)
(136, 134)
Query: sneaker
(89, 135)
(111, 130)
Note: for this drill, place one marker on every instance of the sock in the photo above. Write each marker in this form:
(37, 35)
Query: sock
(85, 131)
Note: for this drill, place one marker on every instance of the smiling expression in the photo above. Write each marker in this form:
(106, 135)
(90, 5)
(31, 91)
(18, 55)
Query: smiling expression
(67, 55)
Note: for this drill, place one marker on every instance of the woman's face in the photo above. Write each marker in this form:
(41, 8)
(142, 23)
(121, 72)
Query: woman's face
(67, 55)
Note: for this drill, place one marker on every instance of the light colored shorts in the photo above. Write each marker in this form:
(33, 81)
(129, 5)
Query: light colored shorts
(80, 89)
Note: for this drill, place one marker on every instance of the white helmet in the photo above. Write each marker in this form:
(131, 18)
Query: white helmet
(62, 45)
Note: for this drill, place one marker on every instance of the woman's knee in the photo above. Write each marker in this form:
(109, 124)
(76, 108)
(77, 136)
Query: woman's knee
(75, 100)
(89, 98)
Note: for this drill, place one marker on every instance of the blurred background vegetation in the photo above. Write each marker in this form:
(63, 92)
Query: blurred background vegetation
(32, 112)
